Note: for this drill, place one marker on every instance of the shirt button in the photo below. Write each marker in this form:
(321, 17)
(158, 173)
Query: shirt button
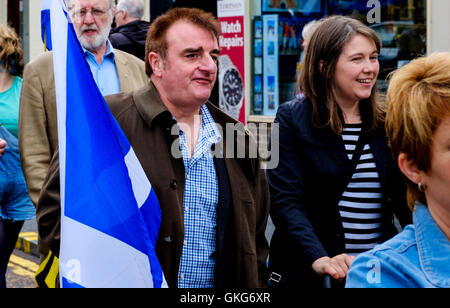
(173, 184)
(182, 276)
(187, 176)
(186, 209)
(185, 242)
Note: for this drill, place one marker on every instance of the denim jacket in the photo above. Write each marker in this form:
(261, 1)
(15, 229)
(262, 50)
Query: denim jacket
(15, 204)
(417, 257)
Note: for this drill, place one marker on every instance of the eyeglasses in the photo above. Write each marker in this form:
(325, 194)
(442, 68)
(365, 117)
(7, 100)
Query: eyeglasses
(95, 12)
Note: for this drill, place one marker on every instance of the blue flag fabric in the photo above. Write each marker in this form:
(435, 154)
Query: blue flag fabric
(46, 32)
(110, 215)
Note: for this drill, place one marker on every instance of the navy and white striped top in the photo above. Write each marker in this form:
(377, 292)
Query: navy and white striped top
(361, 203)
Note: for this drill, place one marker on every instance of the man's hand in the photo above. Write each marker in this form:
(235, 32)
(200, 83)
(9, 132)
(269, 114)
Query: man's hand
(2, 146)
(337, 267)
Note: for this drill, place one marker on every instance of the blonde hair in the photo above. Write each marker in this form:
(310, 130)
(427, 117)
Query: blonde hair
(309, 29)
(417, 101)
(11, 53)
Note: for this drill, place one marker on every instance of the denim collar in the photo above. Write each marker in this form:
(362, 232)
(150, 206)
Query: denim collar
(433, 247)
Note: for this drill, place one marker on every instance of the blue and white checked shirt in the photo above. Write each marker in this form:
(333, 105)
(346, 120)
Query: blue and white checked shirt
(201, 195)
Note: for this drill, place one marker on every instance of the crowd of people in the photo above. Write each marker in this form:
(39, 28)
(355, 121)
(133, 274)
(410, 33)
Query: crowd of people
(349, 165)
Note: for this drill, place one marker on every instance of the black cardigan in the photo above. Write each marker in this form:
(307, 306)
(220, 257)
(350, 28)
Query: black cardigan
(305, 189)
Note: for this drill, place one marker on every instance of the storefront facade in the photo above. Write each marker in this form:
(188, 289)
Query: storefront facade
(275, 38)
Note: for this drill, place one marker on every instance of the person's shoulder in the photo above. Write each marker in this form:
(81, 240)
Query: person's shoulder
(386, 264)
(125, 102)
(122, 55)
(225, 120)
(397, 245)
(297, 105)
(120, 103)
(40, 67)
(17, 81)
(118, 39)
(44, 60)
(400, 243)
(219, 115)
(295, 112)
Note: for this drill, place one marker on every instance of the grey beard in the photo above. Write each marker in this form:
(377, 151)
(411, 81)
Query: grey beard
(99, 40)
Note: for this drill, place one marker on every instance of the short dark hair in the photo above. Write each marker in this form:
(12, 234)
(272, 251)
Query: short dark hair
(156, 36)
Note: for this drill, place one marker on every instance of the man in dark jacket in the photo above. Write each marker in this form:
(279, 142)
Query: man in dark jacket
(131, 32)
(214, 205)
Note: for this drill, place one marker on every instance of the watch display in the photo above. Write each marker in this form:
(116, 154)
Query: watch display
(231, 87)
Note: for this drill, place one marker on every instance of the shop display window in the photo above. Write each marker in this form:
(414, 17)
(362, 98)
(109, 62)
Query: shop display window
(276, 55)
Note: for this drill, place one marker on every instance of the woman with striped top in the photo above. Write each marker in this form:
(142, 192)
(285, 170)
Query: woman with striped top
(336, 188)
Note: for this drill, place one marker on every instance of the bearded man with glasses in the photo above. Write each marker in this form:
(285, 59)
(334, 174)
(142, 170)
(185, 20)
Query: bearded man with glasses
(114, 71)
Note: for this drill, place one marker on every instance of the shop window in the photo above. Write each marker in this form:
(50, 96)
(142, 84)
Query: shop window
(401, 25)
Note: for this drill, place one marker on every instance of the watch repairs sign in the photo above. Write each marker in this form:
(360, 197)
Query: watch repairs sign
(231, 61)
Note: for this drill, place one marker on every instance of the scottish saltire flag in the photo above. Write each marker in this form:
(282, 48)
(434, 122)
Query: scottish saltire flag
(110, 216)
(46, 33)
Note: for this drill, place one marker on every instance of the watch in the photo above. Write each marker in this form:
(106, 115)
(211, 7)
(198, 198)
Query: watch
(231, 87)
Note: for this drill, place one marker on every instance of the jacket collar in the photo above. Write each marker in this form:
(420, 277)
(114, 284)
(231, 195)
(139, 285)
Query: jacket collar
(123, 70)
(433, 248)
(108, 53)
(150, 107)
(376, 139)
(149, 104)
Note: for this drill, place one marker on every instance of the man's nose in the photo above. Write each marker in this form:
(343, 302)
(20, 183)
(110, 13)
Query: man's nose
(89, 18)
(209, 64)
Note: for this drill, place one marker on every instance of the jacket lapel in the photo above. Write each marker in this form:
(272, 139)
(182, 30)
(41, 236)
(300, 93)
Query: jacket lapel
(378, 145)
(123, 72)
(337, 150)
(149, 103)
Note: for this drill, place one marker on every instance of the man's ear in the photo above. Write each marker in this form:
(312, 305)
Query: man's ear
(409, 169)
(156, 63)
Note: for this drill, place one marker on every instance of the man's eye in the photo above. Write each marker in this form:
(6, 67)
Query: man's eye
(98, 12)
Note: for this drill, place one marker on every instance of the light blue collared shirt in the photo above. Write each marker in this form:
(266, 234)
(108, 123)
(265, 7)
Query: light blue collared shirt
(418, 257)
(105, 74)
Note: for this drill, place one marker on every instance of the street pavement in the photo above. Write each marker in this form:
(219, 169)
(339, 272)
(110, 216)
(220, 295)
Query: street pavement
(28, 236)
(21, 269)
(24, 261)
